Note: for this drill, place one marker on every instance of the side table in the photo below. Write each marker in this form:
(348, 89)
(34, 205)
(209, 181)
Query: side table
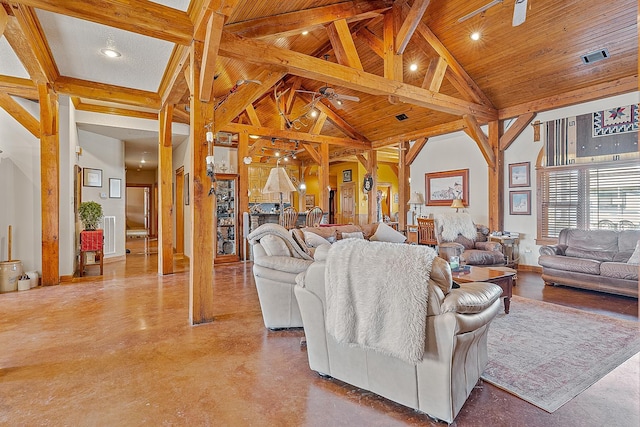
(511, 245)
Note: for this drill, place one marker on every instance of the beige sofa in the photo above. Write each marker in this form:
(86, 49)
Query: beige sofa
(455, 351)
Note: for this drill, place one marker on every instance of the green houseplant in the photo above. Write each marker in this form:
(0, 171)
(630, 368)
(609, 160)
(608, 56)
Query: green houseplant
(90, 214)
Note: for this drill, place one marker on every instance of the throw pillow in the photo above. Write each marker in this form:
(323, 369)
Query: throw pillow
(313, 240)
(386, 233)
(274, 246)
(635, 256)
(354, 235)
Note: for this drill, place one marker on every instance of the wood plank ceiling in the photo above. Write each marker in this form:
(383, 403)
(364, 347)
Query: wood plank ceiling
(348, 46)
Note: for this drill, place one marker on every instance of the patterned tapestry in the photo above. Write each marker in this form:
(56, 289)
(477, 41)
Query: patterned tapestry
(605, 135)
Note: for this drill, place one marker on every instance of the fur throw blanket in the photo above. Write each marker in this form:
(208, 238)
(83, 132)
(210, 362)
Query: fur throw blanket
(280, 231)
(456, 223)
(377, 296)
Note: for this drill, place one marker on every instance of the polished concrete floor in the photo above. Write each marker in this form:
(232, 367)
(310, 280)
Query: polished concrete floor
(117, 350)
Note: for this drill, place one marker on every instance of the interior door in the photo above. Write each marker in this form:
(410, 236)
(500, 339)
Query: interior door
(347, 203)
(179, 200)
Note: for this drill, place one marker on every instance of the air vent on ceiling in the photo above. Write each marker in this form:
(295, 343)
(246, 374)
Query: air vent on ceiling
(402, 117)
(595, 56)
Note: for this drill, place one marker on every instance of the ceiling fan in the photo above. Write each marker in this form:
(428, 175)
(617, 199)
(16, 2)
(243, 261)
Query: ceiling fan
(330, 94)
(519, 11)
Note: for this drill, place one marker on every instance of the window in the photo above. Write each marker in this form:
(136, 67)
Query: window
(588, 197)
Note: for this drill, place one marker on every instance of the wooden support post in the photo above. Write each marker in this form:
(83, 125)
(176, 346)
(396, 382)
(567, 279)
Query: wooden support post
(324, 176)
(49, 184)
(404, 189)
(496, 178)
(243, 188)
(373, 202)
(165, 202)
(202, 206)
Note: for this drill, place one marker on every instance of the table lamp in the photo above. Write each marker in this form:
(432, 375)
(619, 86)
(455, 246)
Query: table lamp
(415, 200)
(457, 204)
(278, 182)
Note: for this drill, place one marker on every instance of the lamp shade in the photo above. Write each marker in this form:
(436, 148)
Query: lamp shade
(457, 204)
(416, 199)
(278, 182)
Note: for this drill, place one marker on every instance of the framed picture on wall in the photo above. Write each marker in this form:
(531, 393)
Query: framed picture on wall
(346, 175)
(520, 202)
(114, 188)
(443, 187)
(519, 174)
(92, 177)
(309, 201)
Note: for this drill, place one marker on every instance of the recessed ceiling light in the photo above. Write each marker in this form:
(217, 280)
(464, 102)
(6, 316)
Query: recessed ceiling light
(254, 136)
(413, 67)
(111, 53)
(305, 32)
(475, 35)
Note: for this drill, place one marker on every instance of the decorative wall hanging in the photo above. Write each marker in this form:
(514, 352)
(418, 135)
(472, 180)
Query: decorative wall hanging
(92, 177)
(443, 187)
(520, 202)
(519, 174)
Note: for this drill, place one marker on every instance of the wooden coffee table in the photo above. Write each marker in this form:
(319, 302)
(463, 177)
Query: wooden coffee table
(501, 276)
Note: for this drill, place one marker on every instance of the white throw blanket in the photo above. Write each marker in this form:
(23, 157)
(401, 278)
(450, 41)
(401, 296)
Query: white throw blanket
(456, 223)
(377, 296)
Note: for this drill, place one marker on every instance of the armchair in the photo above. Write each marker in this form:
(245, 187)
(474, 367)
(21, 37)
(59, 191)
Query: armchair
(457, 235)
(437, 382)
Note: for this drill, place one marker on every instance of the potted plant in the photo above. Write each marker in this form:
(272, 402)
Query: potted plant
(90, 214)
(91, 238)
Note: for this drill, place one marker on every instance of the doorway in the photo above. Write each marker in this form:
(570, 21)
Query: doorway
(179, 192)
(138, 211)
(347, 203)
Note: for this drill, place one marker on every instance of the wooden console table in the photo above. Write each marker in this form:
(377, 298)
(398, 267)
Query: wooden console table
(97, 260)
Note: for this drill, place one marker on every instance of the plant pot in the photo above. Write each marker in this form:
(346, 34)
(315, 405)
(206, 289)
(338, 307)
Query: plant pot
(91, 240)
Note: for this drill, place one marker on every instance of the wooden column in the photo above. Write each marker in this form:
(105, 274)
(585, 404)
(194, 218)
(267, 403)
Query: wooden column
(324, 176)
(243, 190)
(496, 178)
(49, 185)
(373, 170)
(404, 188)
(165, 202)
(202, 205)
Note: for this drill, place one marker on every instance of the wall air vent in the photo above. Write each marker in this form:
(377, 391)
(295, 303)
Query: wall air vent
(402, 117)
(595, 56)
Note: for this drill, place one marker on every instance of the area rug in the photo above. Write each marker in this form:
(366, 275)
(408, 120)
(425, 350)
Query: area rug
(547, 354)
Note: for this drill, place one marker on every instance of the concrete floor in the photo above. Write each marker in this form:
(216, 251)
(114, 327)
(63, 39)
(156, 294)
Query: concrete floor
(117, 350)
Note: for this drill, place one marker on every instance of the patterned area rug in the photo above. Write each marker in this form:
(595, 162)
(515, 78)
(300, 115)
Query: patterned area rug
(547, 354)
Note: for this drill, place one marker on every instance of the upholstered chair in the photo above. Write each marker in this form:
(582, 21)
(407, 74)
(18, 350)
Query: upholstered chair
(458, 235)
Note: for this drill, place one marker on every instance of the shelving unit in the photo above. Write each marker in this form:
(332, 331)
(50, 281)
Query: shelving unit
(227, 219)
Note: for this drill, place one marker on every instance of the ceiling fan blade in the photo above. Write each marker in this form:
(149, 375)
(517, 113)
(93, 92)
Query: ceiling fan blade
(519, 12)
(348, 97)
(479, 10)
(336, 103)
(305, 91)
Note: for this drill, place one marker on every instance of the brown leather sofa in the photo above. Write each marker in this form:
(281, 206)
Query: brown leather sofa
(592, 259)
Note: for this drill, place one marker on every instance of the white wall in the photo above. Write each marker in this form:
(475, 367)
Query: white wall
(182, 157)
(459, 151)
(107, 154)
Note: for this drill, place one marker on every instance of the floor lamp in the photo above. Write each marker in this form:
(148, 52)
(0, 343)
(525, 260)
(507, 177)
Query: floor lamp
(278, 182)
(415, 200)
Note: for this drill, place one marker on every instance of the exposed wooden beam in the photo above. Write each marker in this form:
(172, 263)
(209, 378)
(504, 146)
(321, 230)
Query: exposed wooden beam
(292, 23)
(253, 116)
(392, 62)
(292, 135)
(435, 74)
(496, 179)
(258, 52)
(21, 115)
(336, 119)
(410, 24)
(104, 92)
(318, 124)
(104, 109)
(200, 11)
(21, 45)
(173, 85)
(343, 46)
(4, 19)
(211, 45)
(247, 94)
(515, 130)
(373, 170)
(363, 161)
(404, 187)
(429, 132)
(578, 96)
(323, 178)
(474, 131)
(464, 82)
(17, 86)
(50, 184)
(312, 153)
(415, 149)
(296, 82)
(137, 16)
(376, 45)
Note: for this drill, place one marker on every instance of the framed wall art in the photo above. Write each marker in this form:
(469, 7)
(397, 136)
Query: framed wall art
(309, 201)
(92, 177)
(520, 202)
(346, 175)
(519, 174)
(114, 188)
(443, 187)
